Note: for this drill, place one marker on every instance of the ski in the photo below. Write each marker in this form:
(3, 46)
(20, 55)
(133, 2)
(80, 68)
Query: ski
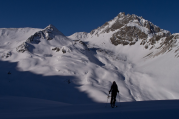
(114, 106)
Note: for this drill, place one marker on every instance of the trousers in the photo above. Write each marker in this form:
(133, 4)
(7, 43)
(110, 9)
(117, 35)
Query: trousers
(113, 98)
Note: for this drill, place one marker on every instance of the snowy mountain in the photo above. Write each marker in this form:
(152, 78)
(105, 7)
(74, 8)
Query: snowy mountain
(131, 30)
(150, 54)
(44, 63)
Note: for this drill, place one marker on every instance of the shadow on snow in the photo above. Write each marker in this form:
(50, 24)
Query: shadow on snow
(28, 84)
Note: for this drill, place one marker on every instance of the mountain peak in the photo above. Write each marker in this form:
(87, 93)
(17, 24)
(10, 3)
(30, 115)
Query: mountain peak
(51, 28)
(50, 25)
(122, 20)
(121, 14)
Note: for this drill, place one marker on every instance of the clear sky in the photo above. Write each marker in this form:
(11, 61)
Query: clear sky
(71, 16)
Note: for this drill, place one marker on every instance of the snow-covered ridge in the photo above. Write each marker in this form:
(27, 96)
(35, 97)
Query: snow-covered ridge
(10, 38)
(44, 36)
(78, 36)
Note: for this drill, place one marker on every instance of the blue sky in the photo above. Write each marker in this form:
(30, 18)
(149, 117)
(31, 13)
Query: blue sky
(71, 16)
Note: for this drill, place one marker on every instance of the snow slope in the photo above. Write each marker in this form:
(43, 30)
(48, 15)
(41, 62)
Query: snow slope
(150, 65)
(74, 62)
(10, 38)
(32, 108)
(78, 35)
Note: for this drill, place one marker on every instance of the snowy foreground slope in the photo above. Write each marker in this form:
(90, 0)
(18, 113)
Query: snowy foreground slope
(48, 74)
(33, 108)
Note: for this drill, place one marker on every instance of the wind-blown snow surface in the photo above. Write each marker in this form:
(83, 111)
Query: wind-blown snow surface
(79, 69)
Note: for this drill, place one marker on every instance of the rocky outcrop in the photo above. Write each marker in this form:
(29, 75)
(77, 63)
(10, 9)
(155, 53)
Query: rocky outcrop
(80, 45)
(128, 35)
(84, 44)
(36, 37)
(48, 33)
(65, 49)
(56, 49)
(121, 20)
(167, 44)
(6, 54)
(129, 29)
(22, 48)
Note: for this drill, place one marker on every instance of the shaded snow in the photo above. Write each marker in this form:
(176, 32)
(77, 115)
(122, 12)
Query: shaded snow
(32, 108)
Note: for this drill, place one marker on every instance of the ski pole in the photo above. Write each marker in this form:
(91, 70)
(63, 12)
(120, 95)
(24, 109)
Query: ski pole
(107, 100)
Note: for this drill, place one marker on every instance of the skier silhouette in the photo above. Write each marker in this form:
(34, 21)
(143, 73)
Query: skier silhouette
(114, 90)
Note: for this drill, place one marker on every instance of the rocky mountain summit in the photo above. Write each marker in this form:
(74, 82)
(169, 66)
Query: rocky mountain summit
(122, 20)
(128, 29)
(131, 29)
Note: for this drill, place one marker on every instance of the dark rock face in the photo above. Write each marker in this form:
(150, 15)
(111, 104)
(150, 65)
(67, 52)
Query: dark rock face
(151, 27)
(84, 45)
(157, 37)
(48, 34)
(64, 51)
(22, 48)
(167, 44)
(35, 38)
(176, 37)
(121, 20)
(56, 49)
(6, 55)
(128, 29)
(128, 35)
